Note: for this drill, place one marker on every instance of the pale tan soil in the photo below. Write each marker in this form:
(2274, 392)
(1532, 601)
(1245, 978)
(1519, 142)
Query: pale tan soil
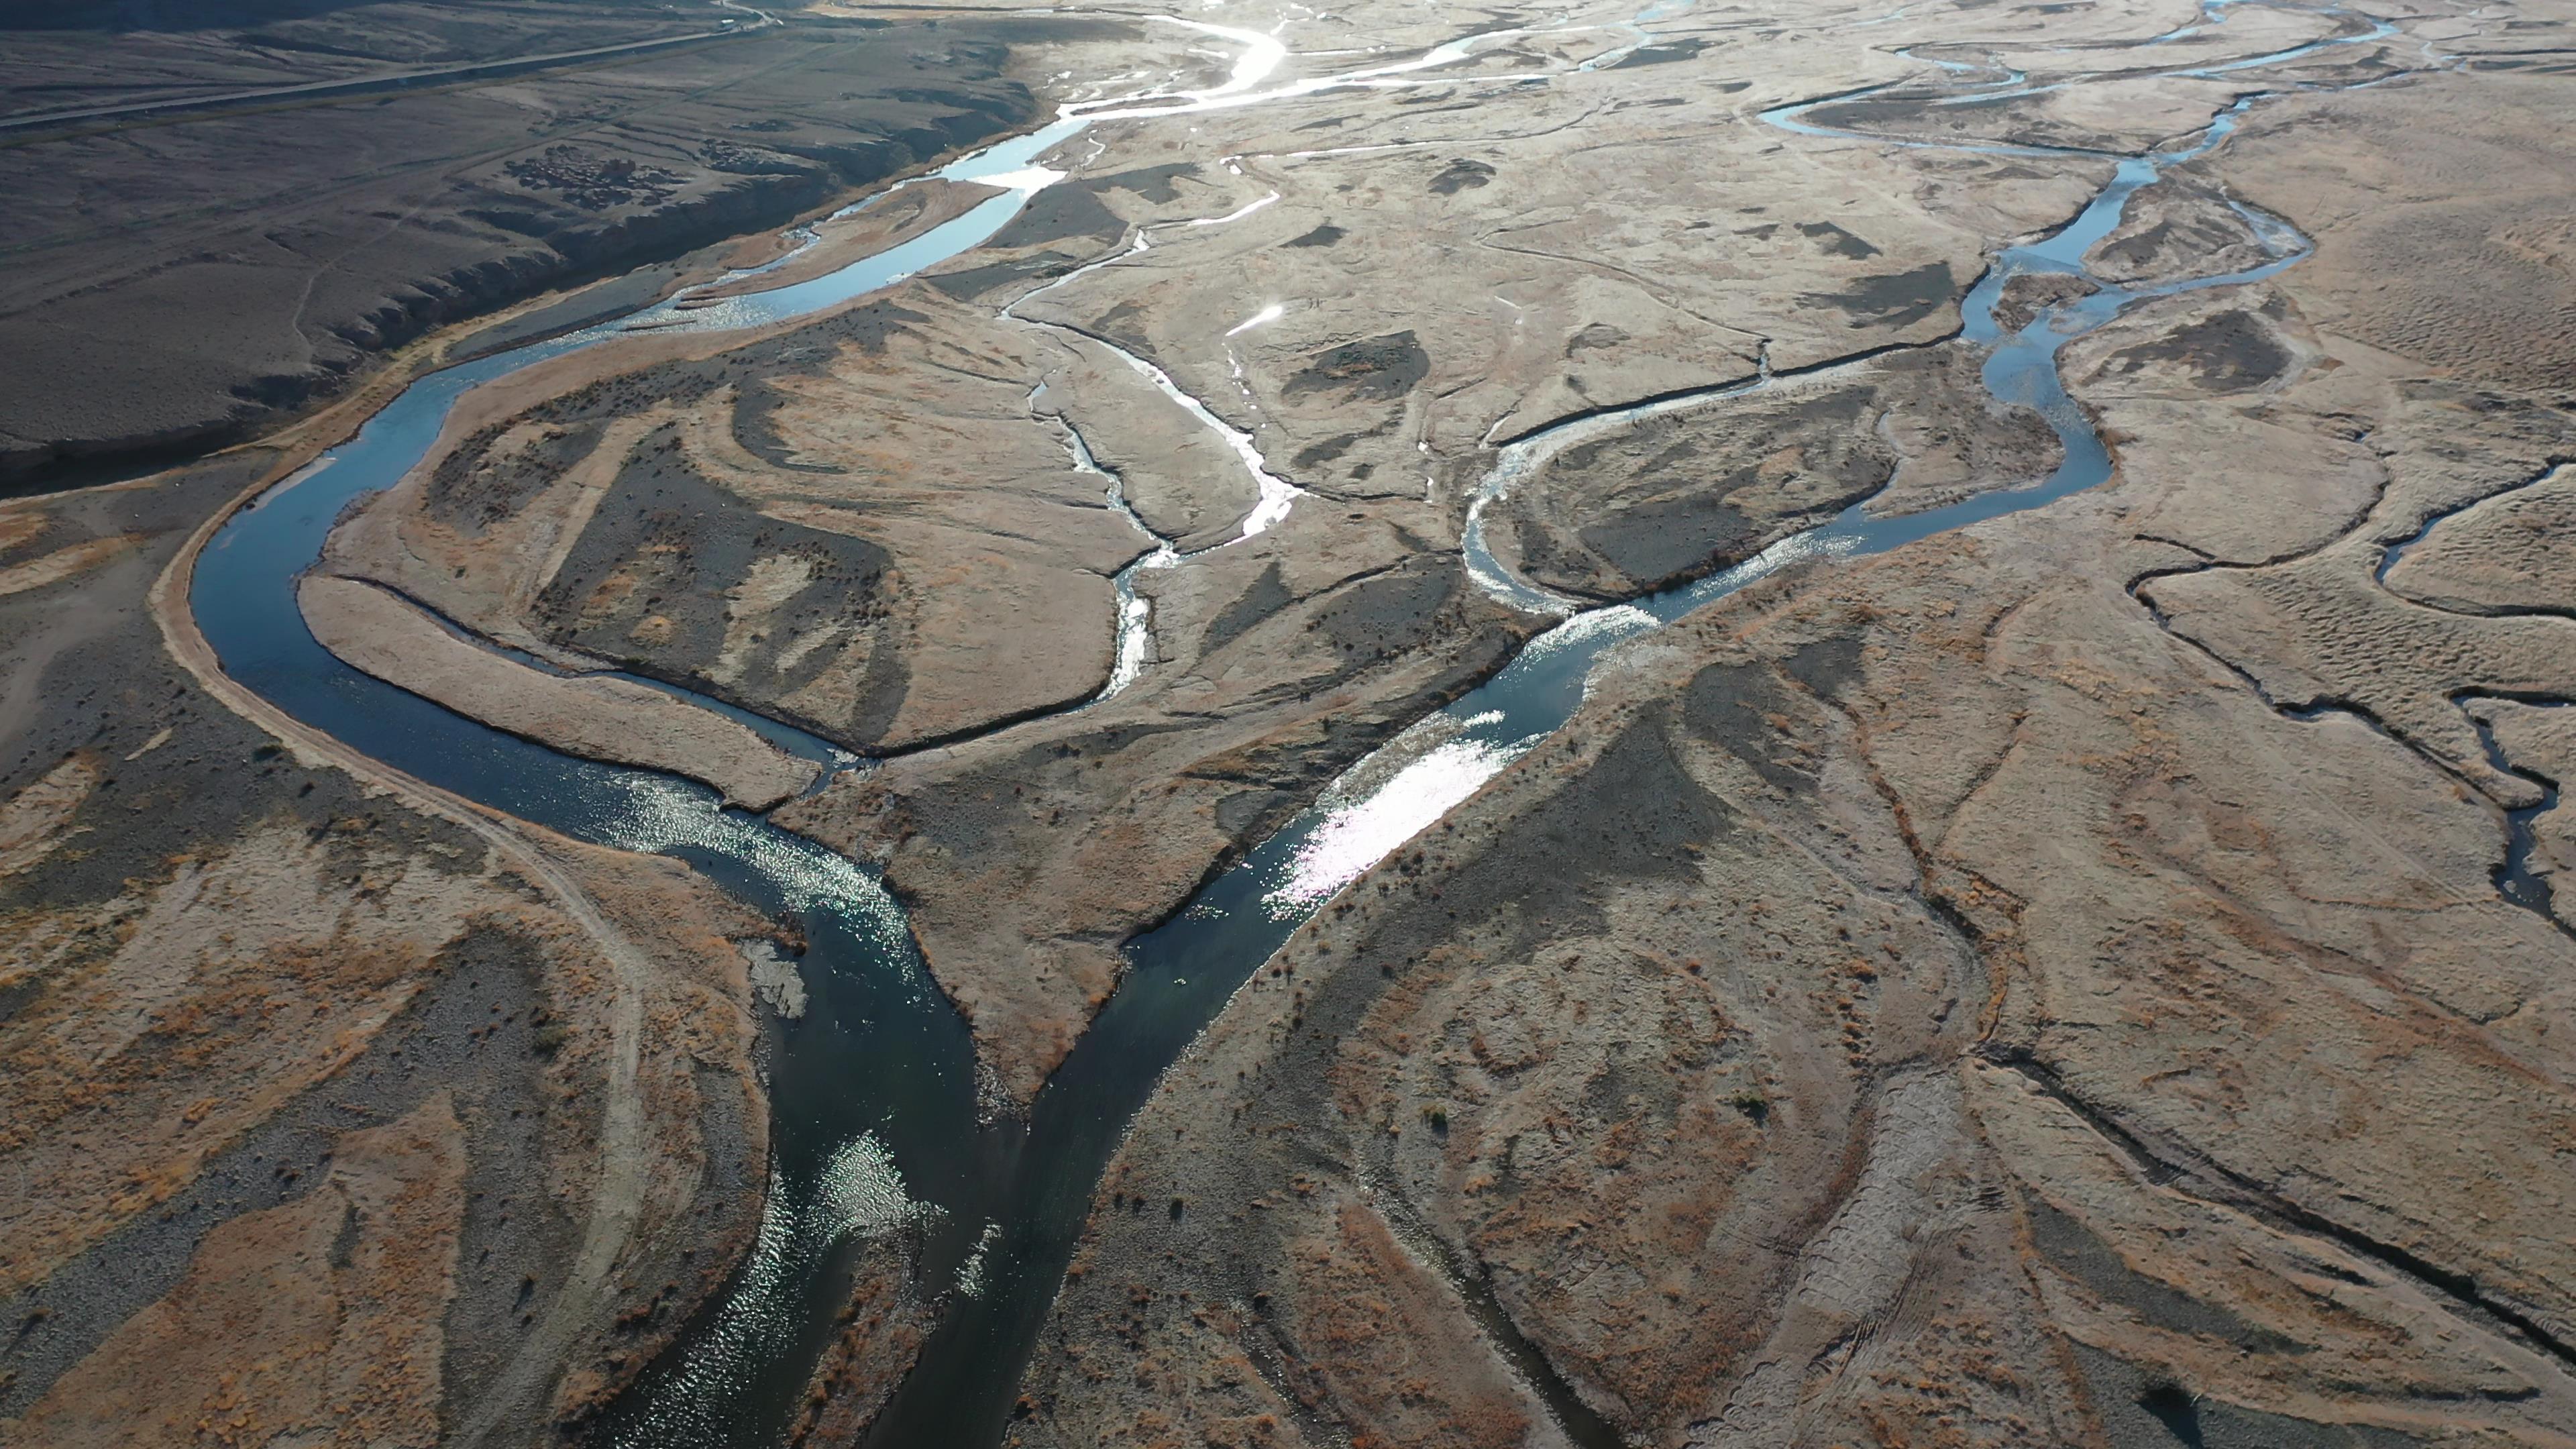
(1941, 998)
(2515, 553)
(2314, 626)
(32, 821)
(1583, 260)
(1750, 1012)
(2114, 115)
(255, 1005)
(1365, 370)
(1026, 857)
(2443, 213)
(1173, 470)
(220, 934)
(2260, 487)
(378, 633)
(64, 563)
(984, 580)
(1951, 998)
(353, 1325)
(1685, 493)
(2318, 631)
(1280, 661)
(848, 586)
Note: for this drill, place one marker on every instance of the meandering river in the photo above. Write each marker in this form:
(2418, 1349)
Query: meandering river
(873, 1093)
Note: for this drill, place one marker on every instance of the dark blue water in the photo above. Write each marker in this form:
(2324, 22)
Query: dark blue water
(873, 1092)
(879, 1074)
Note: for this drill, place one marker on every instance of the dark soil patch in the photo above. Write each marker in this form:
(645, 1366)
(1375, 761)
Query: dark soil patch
(1380, 369)
(1461, 175)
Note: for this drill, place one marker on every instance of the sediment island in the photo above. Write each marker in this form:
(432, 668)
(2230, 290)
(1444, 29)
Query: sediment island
(1701, 725)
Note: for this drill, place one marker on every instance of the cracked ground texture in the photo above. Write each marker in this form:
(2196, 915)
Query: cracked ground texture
(865, 523)
(2054, 985)
(2090, 978)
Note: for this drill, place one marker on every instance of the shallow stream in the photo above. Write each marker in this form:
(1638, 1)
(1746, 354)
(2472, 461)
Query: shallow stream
(873, 1092)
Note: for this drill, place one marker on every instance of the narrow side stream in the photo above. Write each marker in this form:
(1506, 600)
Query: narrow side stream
(881, 1070)
(873, 1093)
(2515, 877)
(1181, 975)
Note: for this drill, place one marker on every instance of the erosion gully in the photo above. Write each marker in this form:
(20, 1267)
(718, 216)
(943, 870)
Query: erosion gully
(875, 1128)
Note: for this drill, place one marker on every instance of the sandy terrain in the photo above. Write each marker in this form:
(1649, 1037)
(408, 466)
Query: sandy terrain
(327, 1108)
(2094, 977)
(2047, 985)
(1687, 492)
(749, 523)
(777, 524)
(600, 719)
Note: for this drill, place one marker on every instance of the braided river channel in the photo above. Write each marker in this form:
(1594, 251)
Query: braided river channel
(875, 1125)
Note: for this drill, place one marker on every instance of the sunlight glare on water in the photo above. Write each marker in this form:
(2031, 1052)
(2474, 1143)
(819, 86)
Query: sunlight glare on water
(860, 1192)
(1359, 835)
(661, 815)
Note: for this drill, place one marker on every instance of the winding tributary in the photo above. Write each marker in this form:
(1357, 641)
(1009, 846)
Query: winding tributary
(875, 1127)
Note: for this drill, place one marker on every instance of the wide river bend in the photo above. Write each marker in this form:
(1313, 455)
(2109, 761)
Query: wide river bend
(874, 1121)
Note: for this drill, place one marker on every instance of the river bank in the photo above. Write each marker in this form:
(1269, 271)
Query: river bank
(1535, 1017)
(1881, 1012)
(543, 1050)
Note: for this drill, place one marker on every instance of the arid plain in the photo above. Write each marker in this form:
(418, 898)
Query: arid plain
(1729, 724)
